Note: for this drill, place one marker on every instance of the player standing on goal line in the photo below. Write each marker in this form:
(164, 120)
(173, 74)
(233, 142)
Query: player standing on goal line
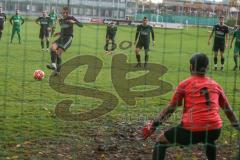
(3, 19)
(44, 22)
(142, 39)
(236, 51)
(64, 41)
(221, 33)
(201, 121)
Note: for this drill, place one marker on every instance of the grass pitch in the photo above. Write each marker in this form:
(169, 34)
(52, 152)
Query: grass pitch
(29, 128)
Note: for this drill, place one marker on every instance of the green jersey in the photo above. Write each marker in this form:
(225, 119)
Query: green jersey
(237, 36)
(53, 17)
(16, 21)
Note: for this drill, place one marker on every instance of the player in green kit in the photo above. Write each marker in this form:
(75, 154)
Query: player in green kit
(142, 39)
(236, 47)
(53, 22)
(16, 21)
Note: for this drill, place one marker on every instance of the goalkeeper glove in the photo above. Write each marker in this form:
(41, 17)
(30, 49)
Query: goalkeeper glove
(149, 128)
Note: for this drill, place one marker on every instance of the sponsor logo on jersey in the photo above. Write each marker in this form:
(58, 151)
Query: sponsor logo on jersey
(220, 33)
(144, 33)
(44, 22)
(65, 25)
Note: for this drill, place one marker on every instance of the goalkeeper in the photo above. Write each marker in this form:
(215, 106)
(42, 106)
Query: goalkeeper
(201, 122)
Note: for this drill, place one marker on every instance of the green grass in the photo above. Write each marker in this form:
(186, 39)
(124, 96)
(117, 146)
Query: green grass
(27, 105)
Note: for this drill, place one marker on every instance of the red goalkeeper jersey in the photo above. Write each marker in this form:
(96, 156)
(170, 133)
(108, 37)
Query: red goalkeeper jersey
(202, 99)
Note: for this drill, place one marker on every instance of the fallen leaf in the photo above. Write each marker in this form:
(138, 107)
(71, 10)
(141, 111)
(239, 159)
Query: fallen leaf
(103, 157)
(18, 145)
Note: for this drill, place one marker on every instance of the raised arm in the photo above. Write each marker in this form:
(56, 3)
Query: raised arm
(79, 24)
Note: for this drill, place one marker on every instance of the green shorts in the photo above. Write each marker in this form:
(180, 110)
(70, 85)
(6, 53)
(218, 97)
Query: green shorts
(16, 29)
(236, 50)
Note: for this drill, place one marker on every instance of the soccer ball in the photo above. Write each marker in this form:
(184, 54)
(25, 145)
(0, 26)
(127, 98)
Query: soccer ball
(38, 75)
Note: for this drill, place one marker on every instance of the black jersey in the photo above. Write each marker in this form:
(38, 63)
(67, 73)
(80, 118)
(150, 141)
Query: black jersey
(111, 31)
(66, 27)
(143, 32)
(3, 17)
(44, 22)
(220, 32)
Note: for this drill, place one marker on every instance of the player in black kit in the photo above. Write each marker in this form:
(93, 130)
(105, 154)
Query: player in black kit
(64, 41)
(110, 36)
(142, 39)
(221, 33)
(2, 21)
(44, 23)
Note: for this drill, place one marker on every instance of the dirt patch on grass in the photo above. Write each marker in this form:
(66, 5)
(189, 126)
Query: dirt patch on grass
(116, 142)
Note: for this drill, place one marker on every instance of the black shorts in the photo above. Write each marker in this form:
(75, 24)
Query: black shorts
(64, 42)
(110, 37)
(44, 33)
(143, 43)
(218, 46)
(182, 136)
(1, 26)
